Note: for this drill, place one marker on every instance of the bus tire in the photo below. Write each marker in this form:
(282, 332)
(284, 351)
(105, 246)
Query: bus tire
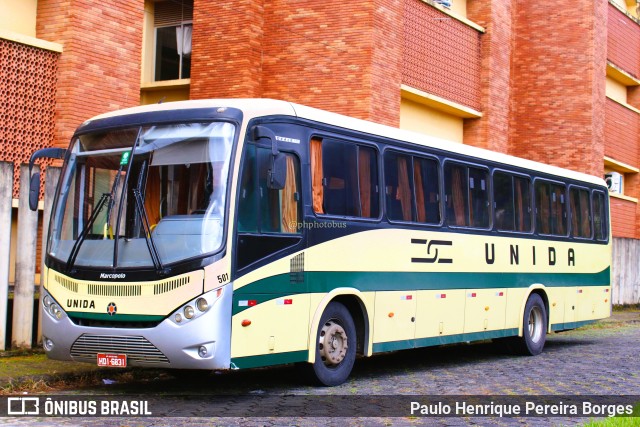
(335, 346)
(534, 327)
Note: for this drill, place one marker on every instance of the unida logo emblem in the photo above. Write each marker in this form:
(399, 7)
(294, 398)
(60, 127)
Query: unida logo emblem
(112, 309)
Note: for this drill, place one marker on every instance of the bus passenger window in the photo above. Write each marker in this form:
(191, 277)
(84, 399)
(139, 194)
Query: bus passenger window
(398, 187)
(551, 209)
(512, 200)
(503, 199)
(466, 196)
(580, 213)
(478, 198)
(349, 177)
(426, 181)
(600, 224)
(522, 197)
(456, 194)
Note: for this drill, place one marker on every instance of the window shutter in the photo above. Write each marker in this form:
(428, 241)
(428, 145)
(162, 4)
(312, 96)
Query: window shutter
(172, 12)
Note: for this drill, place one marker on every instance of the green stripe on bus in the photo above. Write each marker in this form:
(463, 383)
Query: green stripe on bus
(441, 340)
(324, 281)
(368, 281)
(115, 318)
(570, 325)
(270, 359)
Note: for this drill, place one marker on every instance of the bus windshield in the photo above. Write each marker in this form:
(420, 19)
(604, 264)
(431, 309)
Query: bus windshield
(143, 197)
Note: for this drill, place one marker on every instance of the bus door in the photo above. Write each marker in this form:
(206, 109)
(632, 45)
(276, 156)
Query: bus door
(272, 295)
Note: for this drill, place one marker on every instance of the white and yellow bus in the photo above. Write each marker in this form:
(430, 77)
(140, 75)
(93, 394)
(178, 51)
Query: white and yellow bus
(224, 234)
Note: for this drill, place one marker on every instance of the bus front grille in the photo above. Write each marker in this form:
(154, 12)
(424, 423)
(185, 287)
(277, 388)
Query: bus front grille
(138, 349)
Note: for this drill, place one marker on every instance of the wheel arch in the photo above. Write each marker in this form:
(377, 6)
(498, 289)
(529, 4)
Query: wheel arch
(540, 289)
(355, 302)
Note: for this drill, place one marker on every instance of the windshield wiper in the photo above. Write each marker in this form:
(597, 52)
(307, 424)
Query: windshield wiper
(83, 235)
(146, 230)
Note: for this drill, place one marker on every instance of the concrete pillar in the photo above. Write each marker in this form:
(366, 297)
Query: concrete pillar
(22, 332)
(6, 195)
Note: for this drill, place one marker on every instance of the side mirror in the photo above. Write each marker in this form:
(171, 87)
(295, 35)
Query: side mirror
(34, 181)
(34, 191)
(277, 175)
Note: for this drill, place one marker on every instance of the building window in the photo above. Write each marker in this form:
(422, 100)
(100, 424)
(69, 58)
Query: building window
(173, 22)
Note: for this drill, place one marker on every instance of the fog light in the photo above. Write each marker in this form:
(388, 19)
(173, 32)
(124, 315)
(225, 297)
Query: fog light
(178, 318)
(202, 304)
(188, 312)
(47, 344)
(47, 300)
(202, 351)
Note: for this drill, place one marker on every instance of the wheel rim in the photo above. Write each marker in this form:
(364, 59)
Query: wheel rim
(535, 324)
(332, 343)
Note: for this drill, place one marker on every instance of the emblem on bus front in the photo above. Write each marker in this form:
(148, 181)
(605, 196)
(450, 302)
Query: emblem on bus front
(112, 309)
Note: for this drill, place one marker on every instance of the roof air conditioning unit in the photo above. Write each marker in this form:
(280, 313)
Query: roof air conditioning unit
(615, 182)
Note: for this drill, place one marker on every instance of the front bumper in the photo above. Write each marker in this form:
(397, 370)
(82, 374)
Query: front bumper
(167, 345)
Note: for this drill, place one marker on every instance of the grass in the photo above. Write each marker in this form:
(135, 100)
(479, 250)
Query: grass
(626, 307)
(618, 421)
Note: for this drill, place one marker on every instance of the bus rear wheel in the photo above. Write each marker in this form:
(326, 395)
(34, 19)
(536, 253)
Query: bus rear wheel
(534, 332)
(335, 346)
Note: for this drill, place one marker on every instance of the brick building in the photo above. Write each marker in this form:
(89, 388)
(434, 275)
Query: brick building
(553, 83)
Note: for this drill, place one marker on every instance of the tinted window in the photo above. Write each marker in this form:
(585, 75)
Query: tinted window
(551, 209)
(266, 210)
(399, 187)
(466, 196)
(512, 199)
(580, 212)
(600, 224)
(427, 190)
(349, 182)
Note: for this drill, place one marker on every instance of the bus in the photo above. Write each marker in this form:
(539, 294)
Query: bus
(240, 233)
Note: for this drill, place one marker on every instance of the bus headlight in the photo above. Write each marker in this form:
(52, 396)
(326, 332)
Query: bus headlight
(55, 311)
(202, 304)
(197, 307)
(188, 312)
(47, 301)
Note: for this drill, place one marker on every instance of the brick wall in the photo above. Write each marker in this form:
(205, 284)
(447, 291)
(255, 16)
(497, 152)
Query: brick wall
(99, 69)
(328, 55)
(441, 55)
(623, 41)
(27, 103)
(623, 218)
(622, 135)
(491, 131)
(558, 84)
(227, 51)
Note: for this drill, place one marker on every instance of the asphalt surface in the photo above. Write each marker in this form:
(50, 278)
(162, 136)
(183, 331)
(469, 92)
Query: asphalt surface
(575, 367)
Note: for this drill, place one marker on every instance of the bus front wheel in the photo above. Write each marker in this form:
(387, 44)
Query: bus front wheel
(534, 333)
(335, 346)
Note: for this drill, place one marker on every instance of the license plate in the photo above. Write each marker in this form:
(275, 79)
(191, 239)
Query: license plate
(112, 360)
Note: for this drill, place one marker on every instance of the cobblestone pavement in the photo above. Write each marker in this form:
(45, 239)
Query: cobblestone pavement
(593, 361)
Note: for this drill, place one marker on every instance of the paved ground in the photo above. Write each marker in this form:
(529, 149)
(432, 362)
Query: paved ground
(598, 360)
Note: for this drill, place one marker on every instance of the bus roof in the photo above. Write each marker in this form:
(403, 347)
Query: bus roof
(269, 107)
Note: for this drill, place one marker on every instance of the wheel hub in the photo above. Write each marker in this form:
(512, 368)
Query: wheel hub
(535, 324)
(332, 343)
